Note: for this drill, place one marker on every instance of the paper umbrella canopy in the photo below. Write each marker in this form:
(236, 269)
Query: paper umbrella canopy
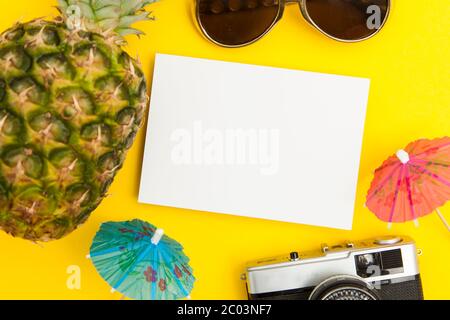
(412, 183)
(140, 262)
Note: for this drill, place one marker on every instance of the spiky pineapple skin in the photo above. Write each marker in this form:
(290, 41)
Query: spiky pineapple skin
(71, 103)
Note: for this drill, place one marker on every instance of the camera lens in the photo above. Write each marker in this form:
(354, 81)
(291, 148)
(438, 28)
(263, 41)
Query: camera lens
(348, 293)
(344, 288)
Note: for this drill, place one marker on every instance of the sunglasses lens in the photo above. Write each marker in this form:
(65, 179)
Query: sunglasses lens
(349, 20)
(237, 22)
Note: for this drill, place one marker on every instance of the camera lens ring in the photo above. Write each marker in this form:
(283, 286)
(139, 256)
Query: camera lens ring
(344, 287)
(348, 293)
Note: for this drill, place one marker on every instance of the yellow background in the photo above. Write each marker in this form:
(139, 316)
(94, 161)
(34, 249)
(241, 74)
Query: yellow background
(409, 64)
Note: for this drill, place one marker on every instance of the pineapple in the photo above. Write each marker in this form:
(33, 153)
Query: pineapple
(71, 103)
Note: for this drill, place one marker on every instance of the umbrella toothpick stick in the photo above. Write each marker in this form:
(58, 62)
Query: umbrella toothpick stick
(443, 219)
(157, 236)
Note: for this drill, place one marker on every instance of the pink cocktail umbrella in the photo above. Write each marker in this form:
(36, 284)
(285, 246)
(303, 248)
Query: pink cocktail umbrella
(412, 183)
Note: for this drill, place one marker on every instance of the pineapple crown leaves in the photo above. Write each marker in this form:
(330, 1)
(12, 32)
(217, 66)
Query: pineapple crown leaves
(106, 15)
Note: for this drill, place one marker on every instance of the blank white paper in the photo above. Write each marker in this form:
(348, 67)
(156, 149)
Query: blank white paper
(254, 141)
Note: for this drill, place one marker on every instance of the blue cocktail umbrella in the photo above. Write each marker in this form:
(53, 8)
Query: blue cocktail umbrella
(140, 262)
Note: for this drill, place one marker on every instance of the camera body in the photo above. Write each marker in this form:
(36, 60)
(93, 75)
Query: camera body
(375, 269)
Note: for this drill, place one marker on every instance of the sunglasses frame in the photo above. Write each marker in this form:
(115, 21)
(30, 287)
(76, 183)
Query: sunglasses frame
(282, 4)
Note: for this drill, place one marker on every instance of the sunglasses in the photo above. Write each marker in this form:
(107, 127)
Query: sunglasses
(237, 23)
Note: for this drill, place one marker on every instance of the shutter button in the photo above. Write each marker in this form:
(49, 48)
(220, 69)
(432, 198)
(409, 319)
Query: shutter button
(294, 256)
(385, 241)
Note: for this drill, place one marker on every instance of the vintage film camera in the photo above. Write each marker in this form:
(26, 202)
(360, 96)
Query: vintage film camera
(376, 269)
